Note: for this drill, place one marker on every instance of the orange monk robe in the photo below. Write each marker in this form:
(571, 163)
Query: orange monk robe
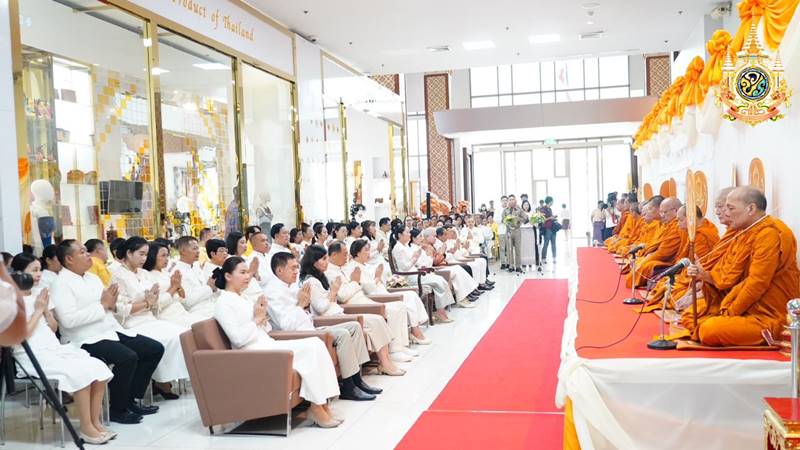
(650, 233)
(659, 254)
(625, 234)
(634, 237)
(623, 219)
(705, 239)
(750, 286)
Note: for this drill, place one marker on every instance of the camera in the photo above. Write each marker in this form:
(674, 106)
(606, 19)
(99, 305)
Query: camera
(23, 280)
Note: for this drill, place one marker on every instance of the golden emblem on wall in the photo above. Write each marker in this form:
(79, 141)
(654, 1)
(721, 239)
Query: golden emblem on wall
(754, 88)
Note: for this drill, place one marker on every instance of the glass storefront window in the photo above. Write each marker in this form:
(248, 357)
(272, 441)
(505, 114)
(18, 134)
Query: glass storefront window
(268, 148)
(199, 157)
(85, 162)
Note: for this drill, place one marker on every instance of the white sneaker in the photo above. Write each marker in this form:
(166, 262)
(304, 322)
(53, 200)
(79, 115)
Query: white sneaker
(399, 357)
(465, 304)
(418, 341)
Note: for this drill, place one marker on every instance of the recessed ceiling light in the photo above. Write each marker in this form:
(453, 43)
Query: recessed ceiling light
(158, 71)
(211, 66)
(591, 35)
(478, 45)
(590, 5)
(544, 38)
(590, 22)
(439, 48)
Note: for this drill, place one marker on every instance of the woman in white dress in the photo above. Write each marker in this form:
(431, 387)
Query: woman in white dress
(376, 250)
(321, 234)
(76, 372)
(169, 305)
(372, 283)
(463, 284)
(407, 259)
(247, 326)
(339, 232)
(324, 303)
(50, 266)
(354, 232)
(138, 298)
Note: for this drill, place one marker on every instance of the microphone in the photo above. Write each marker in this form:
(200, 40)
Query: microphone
(683, 263)
(636, 249)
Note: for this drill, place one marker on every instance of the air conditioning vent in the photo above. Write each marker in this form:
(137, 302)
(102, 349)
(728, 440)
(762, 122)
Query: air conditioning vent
(591, 35)
(439, 49)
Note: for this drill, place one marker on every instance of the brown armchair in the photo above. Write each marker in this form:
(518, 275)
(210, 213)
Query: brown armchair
(427, 297)
(239, 385)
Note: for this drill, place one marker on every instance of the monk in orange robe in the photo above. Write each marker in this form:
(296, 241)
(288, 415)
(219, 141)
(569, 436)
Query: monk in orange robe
(659, 252)
(622, 208)
(650, 232)
(629, 231)
(747, 290)
(705, 239)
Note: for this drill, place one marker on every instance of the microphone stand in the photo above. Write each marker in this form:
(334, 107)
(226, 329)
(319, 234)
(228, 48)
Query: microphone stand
(661, 343)
(632, 300)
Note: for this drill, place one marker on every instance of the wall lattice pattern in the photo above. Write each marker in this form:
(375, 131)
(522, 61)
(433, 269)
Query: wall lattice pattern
(658, 75)
(440, 171)
(389, 81)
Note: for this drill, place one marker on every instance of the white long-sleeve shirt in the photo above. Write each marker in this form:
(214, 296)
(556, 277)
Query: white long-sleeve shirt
(264, 270)
(320, 304)
(235, 315)
(81, 317)
(199, 294)
(472, 235)
(403, 256)
(132, 289)
(283, 309)
(349, 289)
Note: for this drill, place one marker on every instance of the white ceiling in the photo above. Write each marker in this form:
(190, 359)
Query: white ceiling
(392, 37)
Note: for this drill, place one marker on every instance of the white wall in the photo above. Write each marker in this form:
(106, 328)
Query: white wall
(10, 223)
(368, 142)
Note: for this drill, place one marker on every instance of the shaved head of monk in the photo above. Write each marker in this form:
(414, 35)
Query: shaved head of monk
(745, 206)
(655, 205)
(719, 205)
(669, 209)
(634, 209)
(683, 223)
(650, 212)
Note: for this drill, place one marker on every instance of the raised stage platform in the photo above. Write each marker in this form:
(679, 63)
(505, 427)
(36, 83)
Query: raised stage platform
(627, 396)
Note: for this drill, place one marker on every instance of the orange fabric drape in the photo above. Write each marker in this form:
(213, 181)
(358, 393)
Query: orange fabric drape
(716, 46)
(570, 435)
(672, 109)
(693, 93)
(776, 15)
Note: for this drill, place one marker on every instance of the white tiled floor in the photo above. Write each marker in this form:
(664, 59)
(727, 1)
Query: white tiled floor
(368, 425)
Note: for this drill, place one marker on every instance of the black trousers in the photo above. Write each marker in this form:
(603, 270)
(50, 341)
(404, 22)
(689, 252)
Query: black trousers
(467, 268)
(134, 359)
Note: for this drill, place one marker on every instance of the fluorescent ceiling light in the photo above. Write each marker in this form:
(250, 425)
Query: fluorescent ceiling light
(544, 38)
(478, 45)
(158, 71)
(211, 66)
(439, 48)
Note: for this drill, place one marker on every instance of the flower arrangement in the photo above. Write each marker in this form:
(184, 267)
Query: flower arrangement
(397, 281)
(537, 218)
(510, 221)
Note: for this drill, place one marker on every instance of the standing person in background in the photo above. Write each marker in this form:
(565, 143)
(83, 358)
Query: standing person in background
(514, 217)
(550, 229)
(611, 220)
(565, 216)
(598, 218)
(202, 238)
(502, 237)
(99, 254)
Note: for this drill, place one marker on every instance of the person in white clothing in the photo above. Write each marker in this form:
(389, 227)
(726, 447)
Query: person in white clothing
(280, 244)
(50, 266)
(138, 298)
(339, 232)
(460, 251)
(464, 285)
(289, 310)
(354, 231)
(75, 370)
(247, 326)
(85, 309)
(566, 219)
(350, 292)
(382, 234)
(378, 248)
(408, 259)
(324, 302)
(198, 289)
(170, 288)
(320, 234)
(260, 258)
(12, 311)
(371, 281)
(217, 254)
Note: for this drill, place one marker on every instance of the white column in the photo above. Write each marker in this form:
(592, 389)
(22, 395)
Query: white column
(10, 219)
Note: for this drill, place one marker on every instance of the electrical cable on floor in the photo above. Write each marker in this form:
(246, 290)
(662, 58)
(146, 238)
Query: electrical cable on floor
(613, 296)
(633, 327)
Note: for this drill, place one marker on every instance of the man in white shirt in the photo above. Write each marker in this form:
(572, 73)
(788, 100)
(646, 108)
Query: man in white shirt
(289, 311)
(280, 244)
(198, 290)
(261, 249)
(382, 234)
(566, 217)
(85, 313)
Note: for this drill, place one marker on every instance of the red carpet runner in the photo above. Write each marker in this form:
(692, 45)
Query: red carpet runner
(503, 394)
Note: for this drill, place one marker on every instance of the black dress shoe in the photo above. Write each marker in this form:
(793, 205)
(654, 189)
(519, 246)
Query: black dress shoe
(364, 386)
(356, 394)
(125, 417)
(490, 283)
(143, 410)
(167, 395)
(503, 266)
(518, 271)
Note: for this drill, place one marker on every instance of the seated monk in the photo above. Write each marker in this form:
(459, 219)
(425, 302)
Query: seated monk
(650, 231)
(630, 232)
(747, 290)
(622, 209)
(706, 238)
(659, 253)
